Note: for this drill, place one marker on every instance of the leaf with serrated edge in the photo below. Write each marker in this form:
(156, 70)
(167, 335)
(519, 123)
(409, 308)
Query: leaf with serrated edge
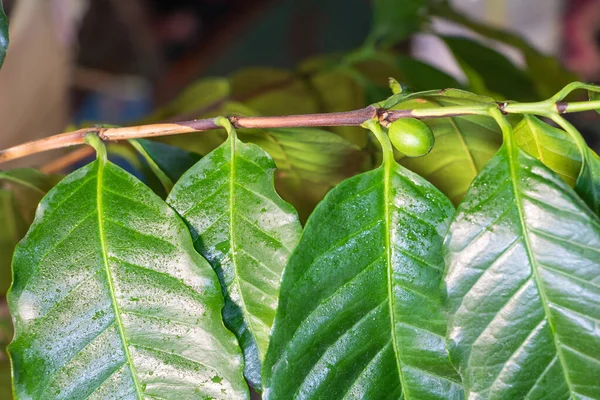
(358, 311)
(247, 233)
(523, 285)
(110, 299)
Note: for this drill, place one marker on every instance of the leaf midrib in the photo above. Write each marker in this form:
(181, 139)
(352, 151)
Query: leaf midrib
(236, 275)
(116, 309)
(387, 168)
(513, 168)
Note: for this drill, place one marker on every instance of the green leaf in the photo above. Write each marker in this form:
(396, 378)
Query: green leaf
(309, 162)
(20, 192)
(3, 34)
(247, 233)
(588, 181)
(522, 285)
(487, 67)
(337, 90)
(29, 186)
(197, 100)
(395, 86)
(168, 163)
(420, 76)
(6, 333)
(552, 146)
(394, 21)
(546, 72)
(594, 96)
(358, 312)
(273, 91)
(463, 145)
(110, 300)
(13, 229)
(372, 72)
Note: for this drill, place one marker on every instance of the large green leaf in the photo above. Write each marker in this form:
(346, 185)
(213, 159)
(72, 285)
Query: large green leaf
(463, 145)
(247, 233)
(110, 299)
(523, 285)
(552, 146)
(3, 34)
(358, 310)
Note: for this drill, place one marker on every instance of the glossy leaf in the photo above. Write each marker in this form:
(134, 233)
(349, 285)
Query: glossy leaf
(3, 34)
(246, 232)
(463, 145)
(110, 300)
(358, 311)
(552, 146)
(522, 285)
(497, 73)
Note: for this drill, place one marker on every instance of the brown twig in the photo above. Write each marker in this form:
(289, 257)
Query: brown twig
(348, 118)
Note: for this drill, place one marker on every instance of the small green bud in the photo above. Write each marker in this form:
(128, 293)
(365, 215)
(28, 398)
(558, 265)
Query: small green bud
(411, 137)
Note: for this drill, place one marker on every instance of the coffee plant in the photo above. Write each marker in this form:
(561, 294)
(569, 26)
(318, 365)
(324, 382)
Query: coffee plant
(454, 251)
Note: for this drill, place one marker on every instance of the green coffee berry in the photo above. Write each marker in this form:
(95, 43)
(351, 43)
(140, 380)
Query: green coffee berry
(411, 137)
